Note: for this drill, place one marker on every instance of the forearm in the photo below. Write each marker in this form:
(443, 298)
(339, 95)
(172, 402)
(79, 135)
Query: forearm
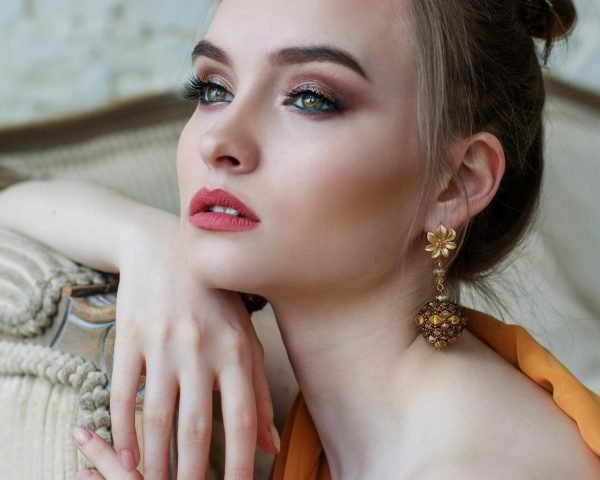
(84, 222)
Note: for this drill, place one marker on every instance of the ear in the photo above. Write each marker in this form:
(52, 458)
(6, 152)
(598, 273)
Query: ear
(478, 164)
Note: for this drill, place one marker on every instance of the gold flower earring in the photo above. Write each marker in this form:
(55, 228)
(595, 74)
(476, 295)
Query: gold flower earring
(440, 320)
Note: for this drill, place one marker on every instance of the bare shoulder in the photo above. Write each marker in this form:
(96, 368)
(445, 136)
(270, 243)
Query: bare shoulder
(501, 424)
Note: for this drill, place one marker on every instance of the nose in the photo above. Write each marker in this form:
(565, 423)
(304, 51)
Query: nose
(230, 143)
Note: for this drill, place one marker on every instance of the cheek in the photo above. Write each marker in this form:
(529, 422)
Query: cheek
(190, 168)
(183, 163)
(350, 201)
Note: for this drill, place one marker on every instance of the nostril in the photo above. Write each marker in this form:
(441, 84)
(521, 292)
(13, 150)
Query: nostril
(234, 162)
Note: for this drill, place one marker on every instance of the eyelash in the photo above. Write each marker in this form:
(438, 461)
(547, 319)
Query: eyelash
(195, 88)
(335, 105)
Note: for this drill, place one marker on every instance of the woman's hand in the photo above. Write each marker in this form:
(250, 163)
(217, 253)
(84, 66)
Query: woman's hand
(187, 340)
(102, 456)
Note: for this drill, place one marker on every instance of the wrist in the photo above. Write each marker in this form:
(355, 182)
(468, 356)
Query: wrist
(145, 226)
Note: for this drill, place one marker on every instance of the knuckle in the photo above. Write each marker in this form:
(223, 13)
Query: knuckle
(263, 397)
(193, 470)
(237, 345)
(163, 333)
(238, 473)
(188, 476)
(245, 425)
(155, 471)
(98, 450)
(196, 337)
(157, 419)
(197, 429)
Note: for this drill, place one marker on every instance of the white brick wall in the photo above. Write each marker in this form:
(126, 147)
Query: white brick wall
(61, 56)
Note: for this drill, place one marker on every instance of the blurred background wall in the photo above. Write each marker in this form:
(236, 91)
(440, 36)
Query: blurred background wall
(578, 61)
(59, 56)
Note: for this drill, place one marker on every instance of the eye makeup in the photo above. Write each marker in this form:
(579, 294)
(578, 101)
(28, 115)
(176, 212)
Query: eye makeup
(312, 99)
(202, 90)
(306, 98)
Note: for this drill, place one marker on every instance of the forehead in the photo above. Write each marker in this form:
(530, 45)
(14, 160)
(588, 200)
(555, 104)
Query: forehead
(377, 33)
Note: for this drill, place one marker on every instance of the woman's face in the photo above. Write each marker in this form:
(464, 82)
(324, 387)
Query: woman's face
(310, 119)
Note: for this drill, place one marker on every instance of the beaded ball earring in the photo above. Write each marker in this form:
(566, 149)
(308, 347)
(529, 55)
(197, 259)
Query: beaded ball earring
(440, 320)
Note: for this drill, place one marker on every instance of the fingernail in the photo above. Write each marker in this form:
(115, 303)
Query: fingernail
(127, 460)
(275, 438)
(81, 435)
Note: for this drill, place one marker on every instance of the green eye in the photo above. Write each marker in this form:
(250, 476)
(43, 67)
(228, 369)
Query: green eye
(214, 93)
(312, 101)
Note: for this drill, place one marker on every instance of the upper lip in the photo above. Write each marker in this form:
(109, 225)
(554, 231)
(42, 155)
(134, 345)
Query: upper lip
(205, 198)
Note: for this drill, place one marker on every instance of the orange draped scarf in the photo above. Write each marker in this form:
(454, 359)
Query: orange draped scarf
(302, 456)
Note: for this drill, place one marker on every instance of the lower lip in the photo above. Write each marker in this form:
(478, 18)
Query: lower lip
(222, 222)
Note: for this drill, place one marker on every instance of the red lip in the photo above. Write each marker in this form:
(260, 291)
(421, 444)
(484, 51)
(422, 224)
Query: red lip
(201, 217)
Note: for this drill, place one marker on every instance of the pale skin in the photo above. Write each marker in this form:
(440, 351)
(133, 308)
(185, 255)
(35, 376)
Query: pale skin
(335, 192)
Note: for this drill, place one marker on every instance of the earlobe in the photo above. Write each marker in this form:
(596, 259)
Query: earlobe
(478, 164)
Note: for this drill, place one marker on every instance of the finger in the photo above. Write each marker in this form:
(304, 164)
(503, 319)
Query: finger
(195, 426)
(239, 419)
(127, 366)
(268, 438)
(88, 474)
(99, 453)
(157, 417)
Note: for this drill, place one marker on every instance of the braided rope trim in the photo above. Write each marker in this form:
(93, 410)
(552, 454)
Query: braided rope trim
(60, 368)
(32, 311)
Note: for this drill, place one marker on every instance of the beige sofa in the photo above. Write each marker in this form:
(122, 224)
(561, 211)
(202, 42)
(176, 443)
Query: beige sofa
(57, 317)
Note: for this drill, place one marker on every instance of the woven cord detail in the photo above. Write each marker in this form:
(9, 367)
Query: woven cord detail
(60, 368)
(33, 278)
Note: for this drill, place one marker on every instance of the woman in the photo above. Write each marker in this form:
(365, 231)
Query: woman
(340, 132)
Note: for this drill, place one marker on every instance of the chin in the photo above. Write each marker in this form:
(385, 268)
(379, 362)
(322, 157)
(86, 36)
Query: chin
(227, 265)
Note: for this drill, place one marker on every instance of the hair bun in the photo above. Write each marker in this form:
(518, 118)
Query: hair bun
(548, 20)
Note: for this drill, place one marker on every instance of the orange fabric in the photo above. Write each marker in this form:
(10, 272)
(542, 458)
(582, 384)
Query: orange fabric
(302, 457)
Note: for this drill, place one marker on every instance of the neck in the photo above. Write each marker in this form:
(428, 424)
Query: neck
(352, 353)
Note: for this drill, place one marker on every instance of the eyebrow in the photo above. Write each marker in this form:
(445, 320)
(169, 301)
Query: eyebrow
(204, 48)
(286, 56)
